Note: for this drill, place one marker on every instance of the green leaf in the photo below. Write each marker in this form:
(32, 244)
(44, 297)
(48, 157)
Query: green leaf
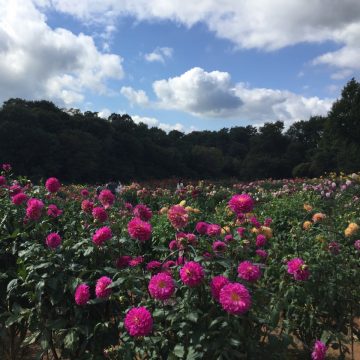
(179, 351)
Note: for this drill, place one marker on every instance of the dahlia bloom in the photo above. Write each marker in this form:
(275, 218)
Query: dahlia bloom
(19, 198)
(173, 245)
(152, 265)
(123, 261)
(2, 180)
(219, 246)
(248, 271)
(241, 203)
(106, 198)
(298, 269)
(53, 240)
(101, 235)
(99, 214)
(201, 227)
(213, 230)
(334, 248)
(87, 206)
(318, 217)
(216, 284)
(139, 229)
(52, 184)
(142, 212)
(161, 286)
(138, 321)
(228, 238)
(192, 239)
(168, 264)
(307, 225)
(319, 351)
(15, 189)
(101, 289)
(136, 261)
(254, 221)
(192, 273)
(6, 167)
(54, 211)
(260, 240)
(235, 298)
(178, 216)
(262, 253)
(267, 222)
(82, 294)
(357, 245)
(241, 231)
(351, 230)
(84, 193)
(34, 209)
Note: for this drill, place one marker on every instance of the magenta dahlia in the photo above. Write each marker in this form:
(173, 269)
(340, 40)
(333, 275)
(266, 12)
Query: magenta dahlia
(235, 298)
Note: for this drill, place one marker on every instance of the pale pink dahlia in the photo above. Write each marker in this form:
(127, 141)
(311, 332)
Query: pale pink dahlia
(139, 229)
(101, 235)
(106, 198)
(161, 286)
(235, 298)
(248, 271)
(99, 214)
(241, 203)
(82, 294)
(53, 240)
(319, 351)
(52, 184)
(138, 321)
(101, 289)
(178, 216)
(298, 269)
(217, 283)
(192, 273)
(142, 212)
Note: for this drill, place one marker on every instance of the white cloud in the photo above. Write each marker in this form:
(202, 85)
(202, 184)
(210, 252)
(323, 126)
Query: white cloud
(212, 94)
(136, 97)
(104, 113)
(159, 54)
(153, 122)
(262, 24)
(37, 61)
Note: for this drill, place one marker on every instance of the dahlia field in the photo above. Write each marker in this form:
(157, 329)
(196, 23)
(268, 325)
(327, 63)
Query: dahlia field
(261, 270)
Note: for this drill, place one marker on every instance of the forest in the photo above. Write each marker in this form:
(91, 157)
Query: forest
(40, 139)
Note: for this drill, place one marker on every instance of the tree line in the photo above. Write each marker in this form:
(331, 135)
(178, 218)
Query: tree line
(40, 140)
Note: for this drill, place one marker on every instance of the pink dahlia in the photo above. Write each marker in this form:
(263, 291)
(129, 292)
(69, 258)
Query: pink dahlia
(6, 167)
(319, 351)
(241, 231)
(248, 271)
(101, 235)
(52, 185)
(15, 189)
(201, 227)
(138, 321)
(99, 214)
(19, 198)
(267, 222)
(54, 211)
(82, 294)
(139, 229)
(298, 269)
(213, 230)
(142, 212)
(2, 180)
(192, 273)
(219, 246)
(101, 289)
(87, 206)
(34, 209)
(260, 240)
(161, 286)
(106, 198)
(153, 265)
(235, 298)
(217, 283)
(178, 216)
(255, 222)
(228, 238)
(168, 264)
(173, 245)
(262, 253)
(357, 245)
(241, 203)
(53, 240)
(123, 261)
(84, 193)
(136, 261)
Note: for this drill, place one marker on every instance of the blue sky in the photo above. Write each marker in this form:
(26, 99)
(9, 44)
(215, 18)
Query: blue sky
(181, 65)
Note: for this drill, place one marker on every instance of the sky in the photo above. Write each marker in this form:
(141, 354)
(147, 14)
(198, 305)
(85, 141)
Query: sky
(179, 64)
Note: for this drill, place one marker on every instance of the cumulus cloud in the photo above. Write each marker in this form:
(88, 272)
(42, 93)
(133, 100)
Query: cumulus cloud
(260, 24)
(136, 97)
(153, 122)
(159, 54)
(213, 95)
(37, 61)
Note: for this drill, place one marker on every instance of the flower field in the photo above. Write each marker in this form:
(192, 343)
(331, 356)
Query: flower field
(261, 270)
